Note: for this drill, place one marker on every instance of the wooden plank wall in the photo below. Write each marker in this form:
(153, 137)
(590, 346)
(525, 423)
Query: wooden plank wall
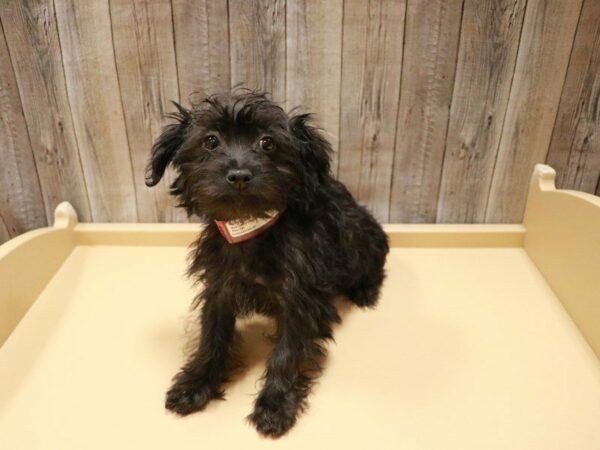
(437, 109)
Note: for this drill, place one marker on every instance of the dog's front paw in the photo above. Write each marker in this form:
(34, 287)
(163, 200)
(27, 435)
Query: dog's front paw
(186, 398)
(274, 414)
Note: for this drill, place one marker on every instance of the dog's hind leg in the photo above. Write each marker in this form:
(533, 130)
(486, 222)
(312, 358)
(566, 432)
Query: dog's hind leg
(367, 270)
(364, 292)
(364, 296)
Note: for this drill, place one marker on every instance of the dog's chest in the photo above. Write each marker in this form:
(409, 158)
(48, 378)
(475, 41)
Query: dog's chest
(256, 277)
(256, 292)
(251, 264)
(250, 275)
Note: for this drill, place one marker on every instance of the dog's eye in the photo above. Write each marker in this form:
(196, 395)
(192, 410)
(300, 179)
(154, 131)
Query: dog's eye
(211, 142)
(266, 144)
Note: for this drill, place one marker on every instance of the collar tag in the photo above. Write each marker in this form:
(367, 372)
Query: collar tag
(235, 231)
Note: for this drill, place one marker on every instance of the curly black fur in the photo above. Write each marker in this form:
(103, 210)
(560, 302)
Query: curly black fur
(322, 246)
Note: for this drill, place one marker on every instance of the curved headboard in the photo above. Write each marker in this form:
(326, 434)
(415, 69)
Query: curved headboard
(563, 240)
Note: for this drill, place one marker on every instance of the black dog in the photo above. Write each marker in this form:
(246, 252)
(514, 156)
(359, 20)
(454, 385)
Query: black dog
(282, 238)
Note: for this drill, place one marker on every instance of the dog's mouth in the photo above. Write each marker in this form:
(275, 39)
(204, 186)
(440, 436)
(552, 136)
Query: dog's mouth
(241, 207)
(250, 202)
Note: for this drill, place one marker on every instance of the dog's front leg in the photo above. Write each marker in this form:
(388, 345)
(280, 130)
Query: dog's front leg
(200, 379)
(290, 369)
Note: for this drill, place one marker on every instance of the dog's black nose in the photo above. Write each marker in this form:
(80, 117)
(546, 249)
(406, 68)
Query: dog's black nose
(239, 177)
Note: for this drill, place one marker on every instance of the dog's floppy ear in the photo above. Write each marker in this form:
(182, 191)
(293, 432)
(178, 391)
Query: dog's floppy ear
(165, 147)
(312, 146)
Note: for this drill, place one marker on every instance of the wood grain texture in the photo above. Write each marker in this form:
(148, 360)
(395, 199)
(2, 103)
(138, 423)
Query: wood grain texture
(314, 63)
(546, 41)
(575, 146)
(145, 58)
(486, 60)
(21, 204)
(429, 64)
(202, 46)
(257, 45)
(438, 109)
(371, 66)
(32, 37)
(93, 88)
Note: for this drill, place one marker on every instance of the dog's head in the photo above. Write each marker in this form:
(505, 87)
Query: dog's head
(240, 155)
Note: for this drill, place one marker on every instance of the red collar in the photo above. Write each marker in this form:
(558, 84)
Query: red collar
(236, 231)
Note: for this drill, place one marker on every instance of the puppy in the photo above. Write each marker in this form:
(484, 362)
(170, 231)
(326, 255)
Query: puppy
(282, 238)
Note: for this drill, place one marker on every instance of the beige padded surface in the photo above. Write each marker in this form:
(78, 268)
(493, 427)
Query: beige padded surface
(469, 349)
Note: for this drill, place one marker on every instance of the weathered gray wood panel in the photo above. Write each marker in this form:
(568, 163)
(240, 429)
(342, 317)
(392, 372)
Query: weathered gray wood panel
(428, 67)
(546, 41)
(575, 146)
(314, 63)
(202, 46)
(486, 59)
(438, 108)
(257, 45)
(32, 37)
(21, 204)
(93, 88)
(145, 58)
(371, 67)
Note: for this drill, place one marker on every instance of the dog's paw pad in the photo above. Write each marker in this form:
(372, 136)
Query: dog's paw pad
(186, 399)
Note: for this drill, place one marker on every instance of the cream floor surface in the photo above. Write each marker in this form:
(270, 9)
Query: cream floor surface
(468, 349)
